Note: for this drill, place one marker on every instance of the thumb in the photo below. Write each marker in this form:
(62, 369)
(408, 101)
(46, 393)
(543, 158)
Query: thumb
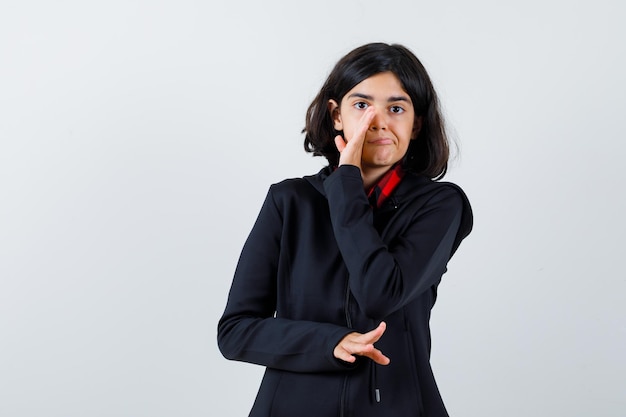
(340, 143)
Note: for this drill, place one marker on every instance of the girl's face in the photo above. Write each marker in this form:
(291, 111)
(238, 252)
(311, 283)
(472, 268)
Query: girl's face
(394, 123)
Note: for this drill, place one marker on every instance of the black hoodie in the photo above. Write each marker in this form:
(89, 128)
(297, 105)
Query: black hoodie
(320, 263)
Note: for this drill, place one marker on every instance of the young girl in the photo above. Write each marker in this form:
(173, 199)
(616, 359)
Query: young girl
(335, 284)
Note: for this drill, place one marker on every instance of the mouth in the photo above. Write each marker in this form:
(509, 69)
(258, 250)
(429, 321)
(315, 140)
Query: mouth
(380, 141)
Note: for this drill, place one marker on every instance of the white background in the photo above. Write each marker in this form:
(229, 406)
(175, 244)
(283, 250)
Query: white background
(138, 139)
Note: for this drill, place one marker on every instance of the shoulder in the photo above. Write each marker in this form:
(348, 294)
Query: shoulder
(467, 215)
(290, 187)
(451, 192)
(297, 191)
(299, 186)
(422, 192)
(417, 188)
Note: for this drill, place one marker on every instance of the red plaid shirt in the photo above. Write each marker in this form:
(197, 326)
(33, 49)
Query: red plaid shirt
(385, 186)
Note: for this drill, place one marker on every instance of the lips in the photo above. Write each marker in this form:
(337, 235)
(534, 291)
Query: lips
(380, 141)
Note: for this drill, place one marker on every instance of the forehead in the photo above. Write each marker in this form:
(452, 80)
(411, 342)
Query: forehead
(379, 86)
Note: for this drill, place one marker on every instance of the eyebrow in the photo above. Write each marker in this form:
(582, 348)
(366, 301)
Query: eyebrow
(389, 100)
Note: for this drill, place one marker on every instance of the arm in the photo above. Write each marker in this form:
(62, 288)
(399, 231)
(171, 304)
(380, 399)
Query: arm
(383, 278)
(248, 330)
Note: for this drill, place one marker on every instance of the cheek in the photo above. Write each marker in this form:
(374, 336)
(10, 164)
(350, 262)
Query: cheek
(409, 131)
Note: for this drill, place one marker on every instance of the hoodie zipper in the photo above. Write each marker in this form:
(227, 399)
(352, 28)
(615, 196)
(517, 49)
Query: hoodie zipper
(374, 383)
(342, 410)
(373, 377)
(347, 307)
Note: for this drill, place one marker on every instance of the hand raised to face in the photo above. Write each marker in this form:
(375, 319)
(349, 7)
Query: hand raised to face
(351, 149)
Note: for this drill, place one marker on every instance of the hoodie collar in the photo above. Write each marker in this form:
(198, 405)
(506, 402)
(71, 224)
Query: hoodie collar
(412, 186)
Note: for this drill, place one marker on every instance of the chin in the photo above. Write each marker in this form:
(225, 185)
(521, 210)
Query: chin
(380, 162)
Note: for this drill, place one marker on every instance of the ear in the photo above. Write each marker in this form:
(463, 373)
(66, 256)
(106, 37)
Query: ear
(333, 108)
(417, 126)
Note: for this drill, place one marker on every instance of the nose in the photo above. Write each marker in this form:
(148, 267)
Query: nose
(379, 121)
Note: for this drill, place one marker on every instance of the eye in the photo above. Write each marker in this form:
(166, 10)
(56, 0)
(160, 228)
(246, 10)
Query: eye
(361, 105)
(396, 109)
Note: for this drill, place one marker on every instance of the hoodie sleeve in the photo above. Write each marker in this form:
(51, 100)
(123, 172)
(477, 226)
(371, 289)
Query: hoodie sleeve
(384, 278)
(249, 331)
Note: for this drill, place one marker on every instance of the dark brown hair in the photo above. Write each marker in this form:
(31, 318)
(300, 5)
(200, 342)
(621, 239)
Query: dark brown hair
(428, 154)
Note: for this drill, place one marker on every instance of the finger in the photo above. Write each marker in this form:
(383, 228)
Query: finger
(367, 118)
(344, 355)
(374, 354)
(374, 335)
(340, 143)
(347, 351)
(380, 358)
(362, 126)
(362, 345)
